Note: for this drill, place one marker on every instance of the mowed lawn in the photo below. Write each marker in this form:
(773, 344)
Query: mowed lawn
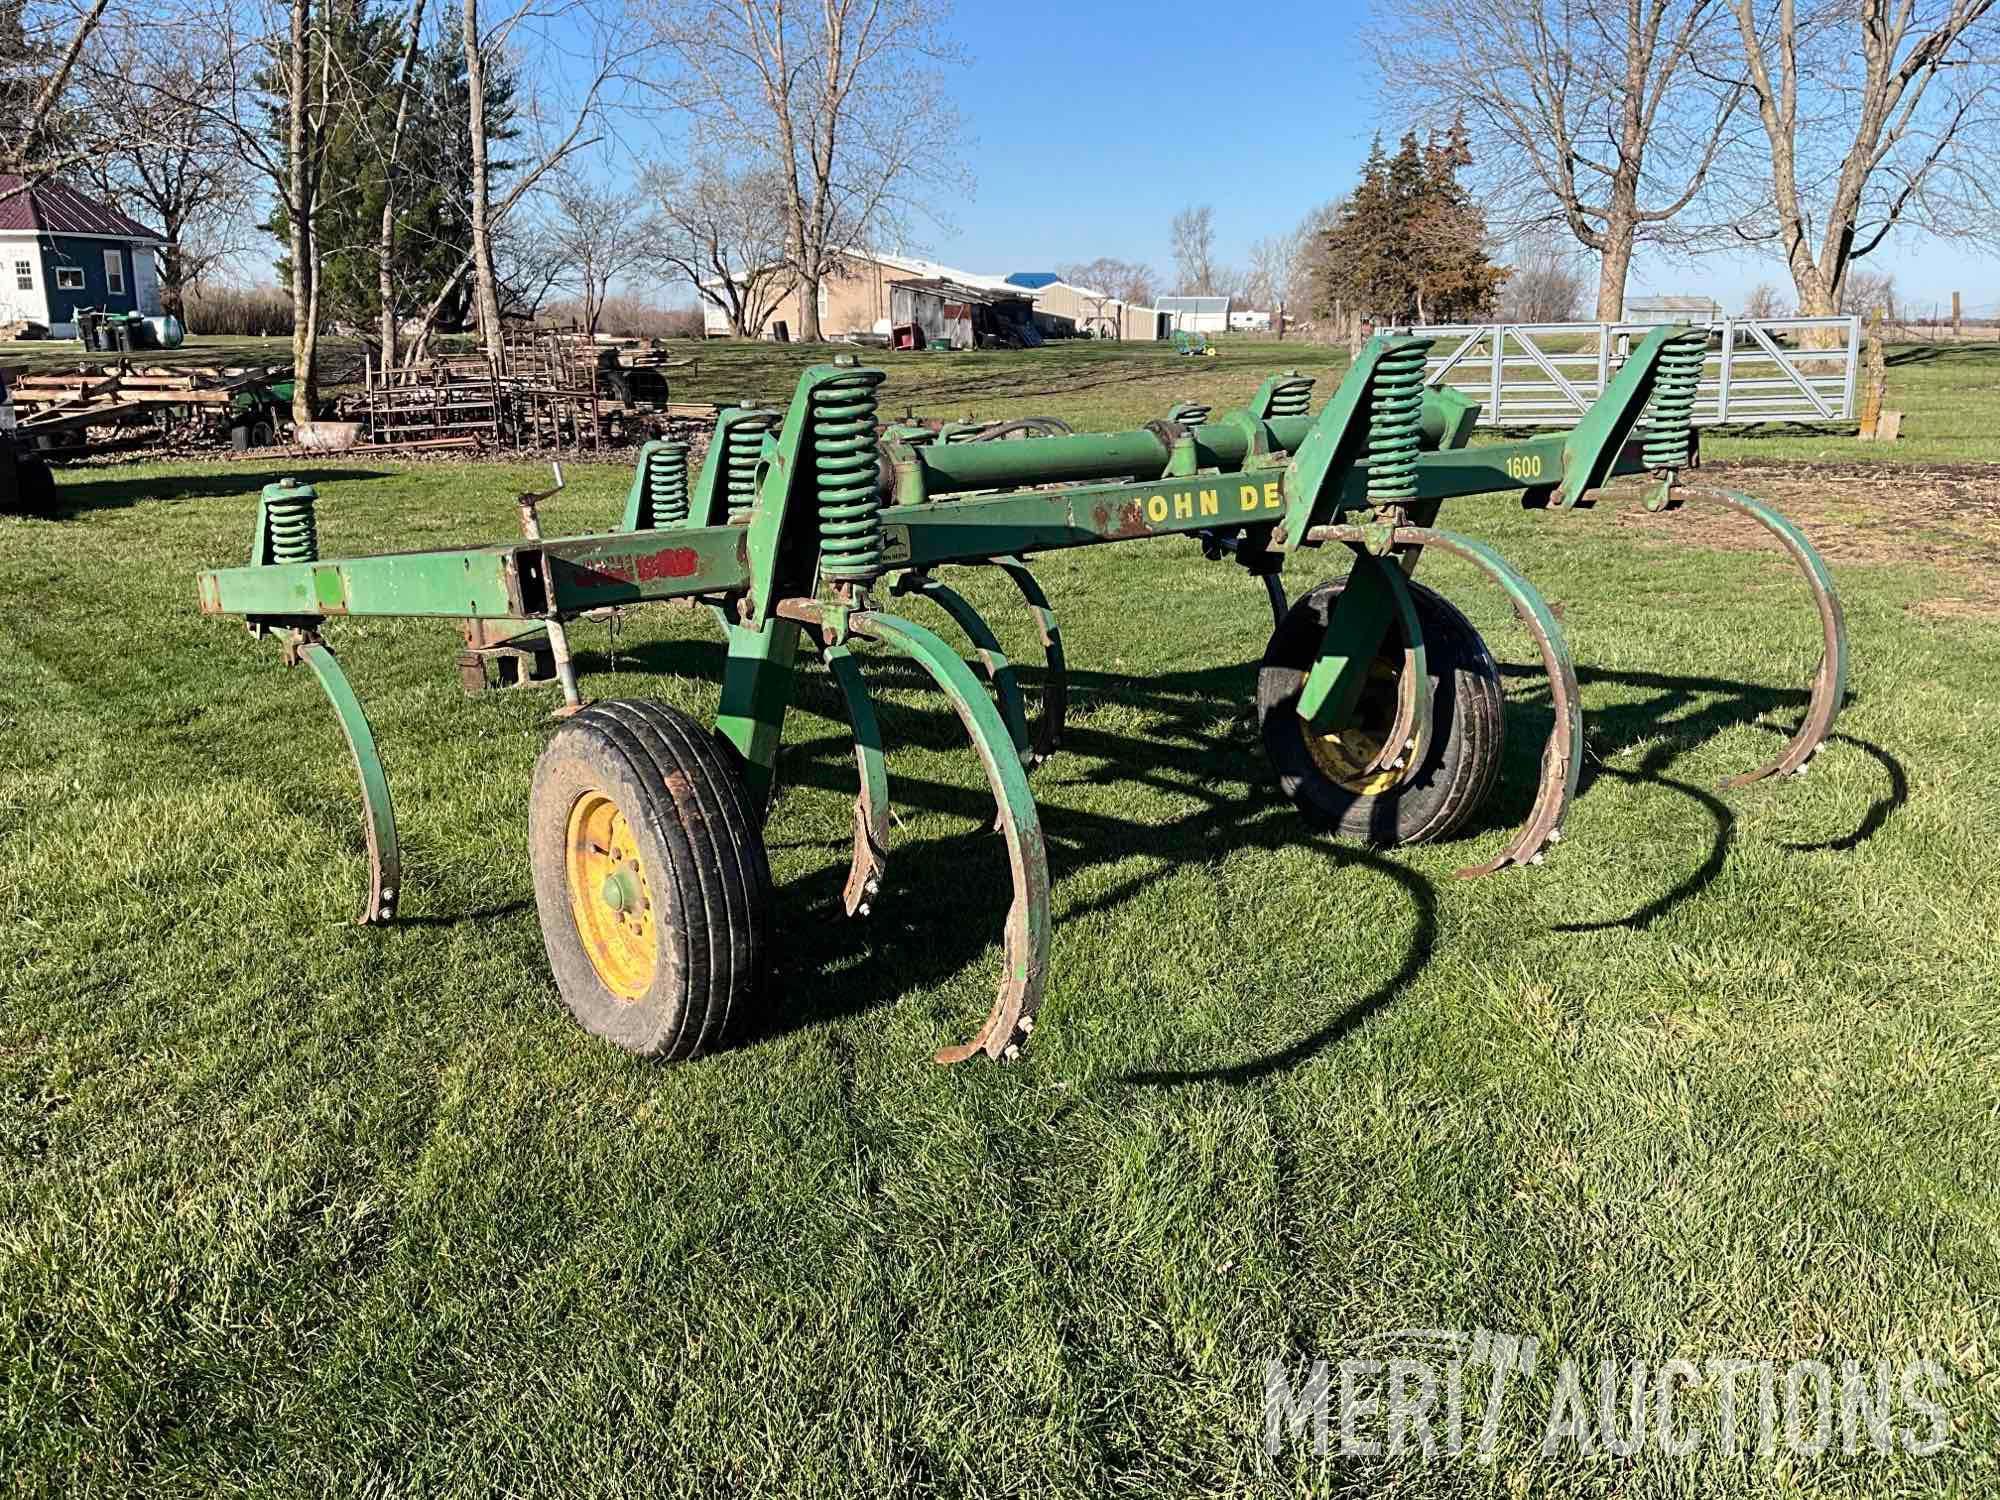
(291, 1207)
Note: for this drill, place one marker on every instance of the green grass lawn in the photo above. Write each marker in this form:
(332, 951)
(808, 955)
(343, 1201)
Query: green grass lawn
(291, 1207)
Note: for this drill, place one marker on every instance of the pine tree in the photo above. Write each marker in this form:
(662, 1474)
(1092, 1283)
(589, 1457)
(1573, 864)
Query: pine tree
(433, 177)
(1409, 244)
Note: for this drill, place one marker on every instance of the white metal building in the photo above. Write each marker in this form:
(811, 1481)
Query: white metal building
(1195, 314)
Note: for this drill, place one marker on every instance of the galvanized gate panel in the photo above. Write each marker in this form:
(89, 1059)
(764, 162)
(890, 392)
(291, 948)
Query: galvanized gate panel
(1547, 374)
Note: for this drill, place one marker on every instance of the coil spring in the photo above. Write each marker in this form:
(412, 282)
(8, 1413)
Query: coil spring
(1191, 414)
(1669, 439)
(850, 500)
(1292, 397)
(1395, 421)
(667, 483)
(291, 526)
(742, 445)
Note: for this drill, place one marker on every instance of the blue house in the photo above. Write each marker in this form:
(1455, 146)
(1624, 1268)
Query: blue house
(61, 250)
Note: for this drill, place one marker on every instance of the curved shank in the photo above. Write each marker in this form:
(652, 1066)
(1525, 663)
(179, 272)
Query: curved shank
(1055, 682)
(992, 660)
(871, 802)
(1562, 758)
(1026, 938)
(385, 860)
(1829, 687)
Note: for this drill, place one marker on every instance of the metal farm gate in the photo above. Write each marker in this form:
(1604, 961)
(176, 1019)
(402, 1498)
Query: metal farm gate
(1547, 374)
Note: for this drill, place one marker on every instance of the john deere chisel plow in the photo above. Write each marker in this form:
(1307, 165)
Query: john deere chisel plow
(1379, 703)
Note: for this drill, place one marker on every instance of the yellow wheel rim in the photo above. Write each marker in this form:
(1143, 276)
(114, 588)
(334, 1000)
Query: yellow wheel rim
(609, 898)
(1344, 755)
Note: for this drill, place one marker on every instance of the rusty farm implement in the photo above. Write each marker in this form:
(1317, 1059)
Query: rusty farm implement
(1380, 706)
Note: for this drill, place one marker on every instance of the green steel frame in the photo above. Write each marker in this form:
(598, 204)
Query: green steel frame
(802, 526)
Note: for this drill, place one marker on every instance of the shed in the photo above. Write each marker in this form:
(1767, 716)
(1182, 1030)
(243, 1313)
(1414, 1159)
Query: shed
(61, 250)
(1195, 314)
(958, 316)
(1673, 310)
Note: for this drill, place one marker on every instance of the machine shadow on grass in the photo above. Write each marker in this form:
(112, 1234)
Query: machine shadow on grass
(75, 496)
(1664, 715)
(953, 926)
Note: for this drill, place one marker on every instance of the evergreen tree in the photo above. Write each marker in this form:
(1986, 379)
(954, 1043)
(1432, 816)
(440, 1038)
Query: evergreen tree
(433, 179)
(1409, 244)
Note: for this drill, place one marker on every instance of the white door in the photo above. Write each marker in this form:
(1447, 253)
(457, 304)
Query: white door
(21, 294)
(146, 280)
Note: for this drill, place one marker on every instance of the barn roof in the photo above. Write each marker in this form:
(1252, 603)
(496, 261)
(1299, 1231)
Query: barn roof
(1192, 304)
(1034, 281)
(52, 207)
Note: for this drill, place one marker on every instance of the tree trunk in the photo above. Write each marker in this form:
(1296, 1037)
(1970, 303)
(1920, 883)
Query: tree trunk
(385, 279)
(173, 280)
(1614, 267)
(486, 280)
(809, 329)
(302, 192)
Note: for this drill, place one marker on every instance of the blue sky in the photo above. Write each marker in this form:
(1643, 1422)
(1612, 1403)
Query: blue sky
(1089, 124)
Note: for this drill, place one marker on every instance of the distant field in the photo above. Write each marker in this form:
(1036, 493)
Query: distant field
(289, 1207)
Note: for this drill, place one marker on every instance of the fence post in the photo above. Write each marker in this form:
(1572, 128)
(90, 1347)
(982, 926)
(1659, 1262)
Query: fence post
(1722, 385)
(1878, 377)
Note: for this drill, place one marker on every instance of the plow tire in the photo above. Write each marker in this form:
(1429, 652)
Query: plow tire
(1467, 736)
(27, 487)
(650, 879)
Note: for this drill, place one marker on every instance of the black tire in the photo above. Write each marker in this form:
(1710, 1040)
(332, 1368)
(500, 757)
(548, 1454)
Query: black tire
(703, 878)
(1467, 725)
(30, 489)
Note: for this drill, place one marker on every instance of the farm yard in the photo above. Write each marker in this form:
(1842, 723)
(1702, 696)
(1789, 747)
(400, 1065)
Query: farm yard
(285, 1202)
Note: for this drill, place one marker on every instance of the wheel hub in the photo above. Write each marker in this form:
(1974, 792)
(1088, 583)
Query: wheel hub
(1343, 755)
(609, 897)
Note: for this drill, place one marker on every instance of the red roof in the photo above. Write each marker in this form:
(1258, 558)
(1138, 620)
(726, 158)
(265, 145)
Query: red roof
(52, 207)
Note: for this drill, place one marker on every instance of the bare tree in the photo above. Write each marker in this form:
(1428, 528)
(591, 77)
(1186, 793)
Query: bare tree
(1869, 292)
(1764, 301)
(1193, 234)
(1547, 284)
(601, 236)
(1124, 280)
(1876, 114)
(1269, 274)
(485, 277)
(587, 50)
(1604, 110)
(1309, 250)
(39, 51)
(385, 243)
(723, 229)
(841, 99)
(185, 173)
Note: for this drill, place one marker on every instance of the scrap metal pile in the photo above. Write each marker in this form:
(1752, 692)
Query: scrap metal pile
(107, 408)
(1380, 706)
(546, 389)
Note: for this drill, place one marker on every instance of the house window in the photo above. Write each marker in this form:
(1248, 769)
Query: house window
(114, 272)
(69, 278)
(24, 275)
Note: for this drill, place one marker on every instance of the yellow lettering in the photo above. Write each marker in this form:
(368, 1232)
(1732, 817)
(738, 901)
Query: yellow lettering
(1156, 508)
(1210, 504)
(1183, 506)
(1247, 497)
(1271, 501)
